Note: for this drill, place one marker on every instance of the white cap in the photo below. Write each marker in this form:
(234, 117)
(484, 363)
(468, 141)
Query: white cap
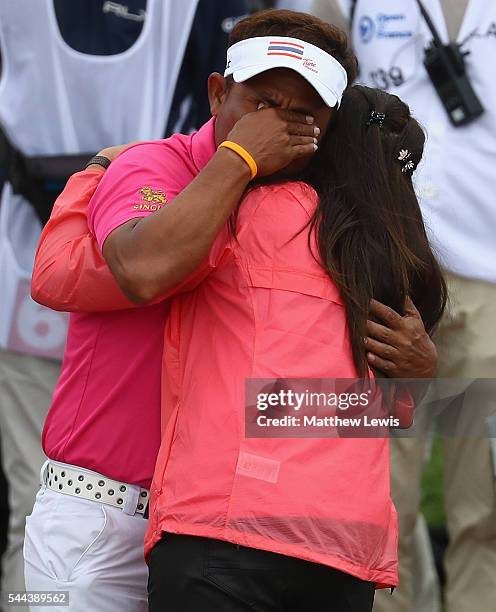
(252, 56)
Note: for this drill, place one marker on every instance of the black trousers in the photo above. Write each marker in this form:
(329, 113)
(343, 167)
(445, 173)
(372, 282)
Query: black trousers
(193, 574)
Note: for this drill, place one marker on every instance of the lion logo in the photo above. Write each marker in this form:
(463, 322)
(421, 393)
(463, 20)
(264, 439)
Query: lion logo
(153, 195)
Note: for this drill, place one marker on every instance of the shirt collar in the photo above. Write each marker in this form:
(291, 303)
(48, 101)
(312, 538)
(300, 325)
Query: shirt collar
(203, 144)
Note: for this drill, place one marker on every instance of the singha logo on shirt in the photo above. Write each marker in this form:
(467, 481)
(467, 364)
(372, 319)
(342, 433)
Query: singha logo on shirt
(151, 195)
(151, 199)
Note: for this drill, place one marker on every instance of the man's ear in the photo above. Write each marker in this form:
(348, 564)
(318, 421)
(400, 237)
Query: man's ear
(217, 92)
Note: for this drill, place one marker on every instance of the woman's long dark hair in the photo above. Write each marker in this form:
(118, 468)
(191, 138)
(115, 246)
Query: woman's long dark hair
(370, 232)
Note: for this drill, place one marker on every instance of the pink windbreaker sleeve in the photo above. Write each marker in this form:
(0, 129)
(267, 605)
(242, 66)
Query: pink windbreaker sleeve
(69, 272)
(404, 408)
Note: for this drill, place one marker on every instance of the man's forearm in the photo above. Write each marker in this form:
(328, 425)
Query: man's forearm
(152, 255)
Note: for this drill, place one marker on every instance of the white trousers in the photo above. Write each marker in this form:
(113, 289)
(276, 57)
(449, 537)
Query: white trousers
(92, 550)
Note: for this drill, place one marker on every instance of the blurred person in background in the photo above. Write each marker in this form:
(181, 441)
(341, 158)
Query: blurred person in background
(456, 185)
(75, 76)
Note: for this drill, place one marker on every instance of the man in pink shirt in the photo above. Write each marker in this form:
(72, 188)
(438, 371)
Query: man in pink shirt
(103, 430)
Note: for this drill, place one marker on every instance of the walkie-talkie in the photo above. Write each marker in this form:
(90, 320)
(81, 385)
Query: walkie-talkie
(445, 65)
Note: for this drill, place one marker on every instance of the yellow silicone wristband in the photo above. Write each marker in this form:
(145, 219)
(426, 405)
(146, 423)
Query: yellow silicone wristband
(243, 153)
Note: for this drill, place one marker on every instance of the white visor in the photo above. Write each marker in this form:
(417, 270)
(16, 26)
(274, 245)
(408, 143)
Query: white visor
(252, 56)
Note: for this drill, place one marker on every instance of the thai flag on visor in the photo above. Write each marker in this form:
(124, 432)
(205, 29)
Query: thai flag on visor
(288, 49)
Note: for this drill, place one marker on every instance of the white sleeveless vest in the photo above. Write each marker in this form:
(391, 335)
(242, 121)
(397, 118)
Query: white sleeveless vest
(457, 178)
(55, 100)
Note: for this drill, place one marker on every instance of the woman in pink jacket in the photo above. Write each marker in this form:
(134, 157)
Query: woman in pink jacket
(282, 524)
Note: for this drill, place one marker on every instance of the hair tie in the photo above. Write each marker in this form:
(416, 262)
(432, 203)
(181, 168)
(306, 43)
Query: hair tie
(376, 117)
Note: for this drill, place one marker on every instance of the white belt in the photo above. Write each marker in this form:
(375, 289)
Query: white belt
(79, 482)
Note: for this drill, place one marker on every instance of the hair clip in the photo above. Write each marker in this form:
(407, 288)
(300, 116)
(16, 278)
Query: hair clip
(376, 117)
(405, 156)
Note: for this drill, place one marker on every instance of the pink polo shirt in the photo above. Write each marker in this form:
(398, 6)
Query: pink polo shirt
(105, 413)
